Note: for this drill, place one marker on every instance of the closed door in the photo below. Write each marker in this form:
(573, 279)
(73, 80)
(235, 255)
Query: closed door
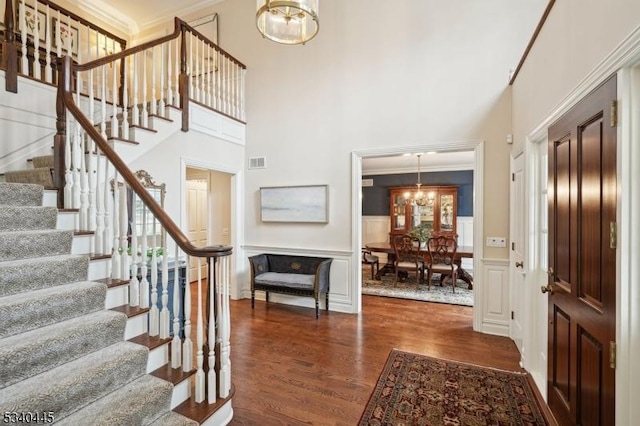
(517, 268)
(197, 213)
(582, 273)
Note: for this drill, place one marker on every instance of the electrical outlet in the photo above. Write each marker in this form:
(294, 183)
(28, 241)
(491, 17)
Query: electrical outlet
(496, 242)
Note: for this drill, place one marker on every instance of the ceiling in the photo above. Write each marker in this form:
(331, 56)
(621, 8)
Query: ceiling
(403, 163)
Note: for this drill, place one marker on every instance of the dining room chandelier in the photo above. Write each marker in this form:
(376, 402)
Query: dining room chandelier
(288, 22)
(420, 198)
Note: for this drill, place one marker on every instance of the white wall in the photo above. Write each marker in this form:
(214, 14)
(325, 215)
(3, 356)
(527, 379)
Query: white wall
(581, 44)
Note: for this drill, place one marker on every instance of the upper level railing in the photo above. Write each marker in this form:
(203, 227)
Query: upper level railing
(39, 31)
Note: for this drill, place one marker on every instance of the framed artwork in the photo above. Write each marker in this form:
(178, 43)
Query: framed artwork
(309, 204)
(30, 21)
(66, 32)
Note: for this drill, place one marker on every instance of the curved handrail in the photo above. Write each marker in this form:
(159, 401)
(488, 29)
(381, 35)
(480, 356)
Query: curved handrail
(65, 100)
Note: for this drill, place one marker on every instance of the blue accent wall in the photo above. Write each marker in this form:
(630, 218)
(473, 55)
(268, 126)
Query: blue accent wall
(375, 199)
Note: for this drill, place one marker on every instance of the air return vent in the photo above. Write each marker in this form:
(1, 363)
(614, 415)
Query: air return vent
(257, 163)
(367, 182)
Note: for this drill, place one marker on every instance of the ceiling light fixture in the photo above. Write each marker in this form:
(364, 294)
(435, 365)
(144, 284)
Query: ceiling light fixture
(419, 197)
(288, 22)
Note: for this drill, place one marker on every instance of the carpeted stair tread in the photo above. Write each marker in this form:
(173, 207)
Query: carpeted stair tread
(23, 275)
(39, 176)
(25, 218)
(27, 244)
(76, 384)
(27, 311)
(14, 194)
(27, 354)
(174, 419)
(42, 161)
(139, 402)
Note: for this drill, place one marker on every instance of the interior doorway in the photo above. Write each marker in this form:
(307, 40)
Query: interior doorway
(379, 227)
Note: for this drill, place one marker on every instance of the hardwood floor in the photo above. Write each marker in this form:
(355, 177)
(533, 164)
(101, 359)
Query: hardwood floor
(290, 369)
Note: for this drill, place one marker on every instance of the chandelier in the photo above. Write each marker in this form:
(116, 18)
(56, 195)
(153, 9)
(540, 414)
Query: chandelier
(288, 22)
(419, 197)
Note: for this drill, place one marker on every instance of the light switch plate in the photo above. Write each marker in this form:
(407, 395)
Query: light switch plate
(496, 242)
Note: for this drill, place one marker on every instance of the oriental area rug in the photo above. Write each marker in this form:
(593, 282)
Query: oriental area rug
(410, 289)
(419, 390)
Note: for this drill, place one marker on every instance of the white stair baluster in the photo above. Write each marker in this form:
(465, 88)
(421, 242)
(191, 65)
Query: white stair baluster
(92, 174)
(103, 103)
(219, 82)
(124, 228)
(200, 376)
(84, 183)
(134, 284)
(190, 66)
(23, 37)
(224, 324)
(145, 112)
(144, 283)
(116, 265)
(176, 75)
(135, 112)
(57, 38)
(36, 41)
(68, 172)
(187, 345)
(76, 159)
(176, 350)
(152, 103)
(114, 99)
(161, 102)
(99, 235)
(211, 374)
(243, 116)
(125, 100)
(154, 313)
(210, 70)
(108, 232)
(165, 322)
(48, 75)
(170, 60)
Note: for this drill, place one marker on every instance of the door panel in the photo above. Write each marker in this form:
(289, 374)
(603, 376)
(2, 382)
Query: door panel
(582, 275)
(517, 235)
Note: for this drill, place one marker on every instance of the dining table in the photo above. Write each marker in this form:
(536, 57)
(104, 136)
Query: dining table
(388, 268)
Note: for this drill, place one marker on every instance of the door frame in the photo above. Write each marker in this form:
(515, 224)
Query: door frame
(478, 208)
(237, 214)
(523, 316)
(625, 61)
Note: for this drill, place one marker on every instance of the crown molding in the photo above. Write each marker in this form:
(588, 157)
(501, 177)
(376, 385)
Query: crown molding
(108, 14)
(423, 169)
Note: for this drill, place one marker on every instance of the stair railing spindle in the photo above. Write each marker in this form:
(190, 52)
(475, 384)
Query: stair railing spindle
(144, 283)
(152, 102)
(116, 266)
(134, 284)
(124, 227)
(164, 312)
(23, 38)
(224, 328)
(200, 376)
(187, 345)
(103, 101)
(176, 350)
(84, 183)
(108, 237)
(176, 75)
(114, 99)
(36, 41)
(99, 235)
(48, 75)
(145, 113)
(154, 313)
(211, 374)
(135, 113)
(161, 101)
(125, 101)
(170, 61)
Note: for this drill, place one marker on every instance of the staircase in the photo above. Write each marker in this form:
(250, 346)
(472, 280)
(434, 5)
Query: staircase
(62, 354)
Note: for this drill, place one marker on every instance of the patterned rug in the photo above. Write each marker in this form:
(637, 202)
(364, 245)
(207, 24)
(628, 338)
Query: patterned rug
(410, 289)
(419, 390)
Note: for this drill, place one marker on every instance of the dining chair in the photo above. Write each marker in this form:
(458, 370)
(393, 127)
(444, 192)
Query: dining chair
(407, 256)
(370, 259)
(441, 254)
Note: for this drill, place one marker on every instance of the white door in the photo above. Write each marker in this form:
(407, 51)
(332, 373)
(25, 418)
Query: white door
(197, 213)
(518, 244)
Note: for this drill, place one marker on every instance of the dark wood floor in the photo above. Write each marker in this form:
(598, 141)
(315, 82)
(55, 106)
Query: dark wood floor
(290, 369)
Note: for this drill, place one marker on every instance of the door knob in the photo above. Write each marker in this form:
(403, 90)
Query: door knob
(547, 289)
(519, 264)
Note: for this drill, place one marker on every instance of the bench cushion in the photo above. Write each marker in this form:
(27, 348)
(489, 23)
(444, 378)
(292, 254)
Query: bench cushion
(302, 281)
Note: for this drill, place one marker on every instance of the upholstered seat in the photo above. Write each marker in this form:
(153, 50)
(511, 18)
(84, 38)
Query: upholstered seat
(370, 259)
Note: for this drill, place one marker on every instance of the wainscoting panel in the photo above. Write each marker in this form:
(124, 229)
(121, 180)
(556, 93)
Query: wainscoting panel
(375, 229)
(341, 297)
(494, 297)
(211, 123)
(464, 228)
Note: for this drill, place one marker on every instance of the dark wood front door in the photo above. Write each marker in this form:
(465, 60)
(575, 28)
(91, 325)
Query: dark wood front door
(582, 274)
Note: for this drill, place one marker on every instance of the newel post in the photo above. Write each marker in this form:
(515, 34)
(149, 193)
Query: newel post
(183, 81)
(9, 51)
(59, 140)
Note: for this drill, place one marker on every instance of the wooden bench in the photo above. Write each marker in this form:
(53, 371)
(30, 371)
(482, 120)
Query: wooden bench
(294, 275)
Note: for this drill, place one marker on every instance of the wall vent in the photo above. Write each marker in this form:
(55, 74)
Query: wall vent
(257, 163)
(367, 182)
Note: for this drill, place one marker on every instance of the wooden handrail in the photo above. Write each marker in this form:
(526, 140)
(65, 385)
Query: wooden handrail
(65, 102)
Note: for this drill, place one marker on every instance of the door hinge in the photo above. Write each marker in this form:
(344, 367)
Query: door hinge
(513, 246)
(612, 355)
(613, 235)
(513, 315)
(513, 177)
(614, 113)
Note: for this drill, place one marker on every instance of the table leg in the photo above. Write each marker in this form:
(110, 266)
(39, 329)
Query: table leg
(464, 275)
